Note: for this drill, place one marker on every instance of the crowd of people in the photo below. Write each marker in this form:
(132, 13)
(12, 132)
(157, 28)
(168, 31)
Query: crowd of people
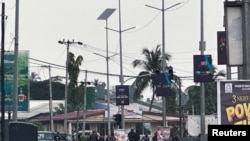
(132, 135)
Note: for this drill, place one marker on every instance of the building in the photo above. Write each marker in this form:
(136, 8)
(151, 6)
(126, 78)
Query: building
(137, 116)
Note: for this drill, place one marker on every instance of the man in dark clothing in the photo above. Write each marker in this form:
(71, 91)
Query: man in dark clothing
(154, 138)
(132, 135)
(57, 137)
(93, 136)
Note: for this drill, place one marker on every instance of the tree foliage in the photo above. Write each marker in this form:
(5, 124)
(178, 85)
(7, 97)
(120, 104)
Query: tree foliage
(39, 90)
(152, 63)
(75, 92)
(194, 92)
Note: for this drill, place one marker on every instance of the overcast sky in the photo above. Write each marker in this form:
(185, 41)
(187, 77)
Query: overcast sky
(43, 23)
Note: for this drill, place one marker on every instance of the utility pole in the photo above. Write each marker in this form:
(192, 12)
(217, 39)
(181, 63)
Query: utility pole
(180, 109)
(104, 16)
(163, 54)
(50, 99)
(202, 85)
(15, 82)
(84, 104)
(121, 65)
(67, 43)
(2, 76)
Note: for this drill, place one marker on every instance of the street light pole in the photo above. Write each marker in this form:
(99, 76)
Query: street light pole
(67, 43)
(121, 67)
(104, 16)
(202, 85)
(163, 53)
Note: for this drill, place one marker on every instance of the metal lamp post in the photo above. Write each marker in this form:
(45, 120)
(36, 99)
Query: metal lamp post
(163, 9)
(67, 43)
(202, 85)
(104, 16)
(121, 66)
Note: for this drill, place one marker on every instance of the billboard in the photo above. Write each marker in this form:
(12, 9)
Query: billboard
(233, 101)
(234, 33)
(221, 48)
(23, 80)
(162, 84)
(203, 68)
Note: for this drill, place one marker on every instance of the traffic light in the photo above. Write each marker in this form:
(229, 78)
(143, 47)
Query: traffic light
(170, 72)
(118, 119)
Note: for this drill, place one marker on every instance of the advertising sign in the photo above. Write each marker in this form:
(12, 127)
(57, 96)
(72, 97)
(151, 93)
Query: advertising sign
(122, 94)
(163, 133)
(162, 84)
(233, 102)
(23, 75)
(203, 69)
(121, 134)
(221, 48)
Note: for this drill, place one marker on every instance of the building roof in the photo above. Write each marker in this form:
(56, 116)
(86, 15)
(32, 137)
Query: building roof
(38, 107)
(75, 114)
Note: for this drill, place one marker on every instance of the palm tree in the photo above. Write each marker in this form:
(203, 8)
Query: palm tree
(76, 92)
(75, 96)
(74, 69)
(151, 64)
(34, 76)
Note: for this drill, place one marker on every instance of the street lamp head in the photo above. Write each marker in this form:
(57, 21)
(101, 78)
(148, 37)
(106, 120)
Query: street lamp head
(106, 13)
(79, 43)
(60, 42)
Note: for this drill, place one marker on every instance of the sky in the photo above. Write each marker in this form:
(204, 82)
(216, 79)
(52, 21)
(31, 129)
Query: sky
(43, 23)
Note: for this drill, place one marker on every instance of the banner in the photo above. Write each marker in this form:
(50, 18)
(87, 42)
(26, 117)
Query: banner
(122, 94)
(162, 83)
(203, 68)
(23, 80)
(121, 134)
(221, 48)
(233, 101)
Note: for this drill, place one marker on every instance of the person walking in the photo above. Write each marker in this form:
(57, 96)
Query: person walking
(154, 138)
(145, 137)
(132, 135)
(57, 137)
(93, 136)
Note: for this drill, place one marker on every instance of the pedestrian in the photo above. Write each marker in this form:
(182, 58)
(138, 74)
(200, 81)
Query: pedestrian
(57, 137)
(93, 136)
(110, 138)
(154, 138)
(98, 135)
(145, 137)
(137, 137)
(132, 135)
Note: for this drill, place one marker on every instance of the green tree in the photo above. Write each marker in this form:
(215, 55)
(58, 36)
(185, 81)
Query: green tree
(152, 63)
(60, 109)
(194, 91)
(75, 96)
(34, 76)
(39, 90)
(76, 93)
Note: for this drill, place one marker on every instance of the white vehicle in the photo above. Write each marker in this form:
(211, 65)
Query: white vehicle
(87, 133)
